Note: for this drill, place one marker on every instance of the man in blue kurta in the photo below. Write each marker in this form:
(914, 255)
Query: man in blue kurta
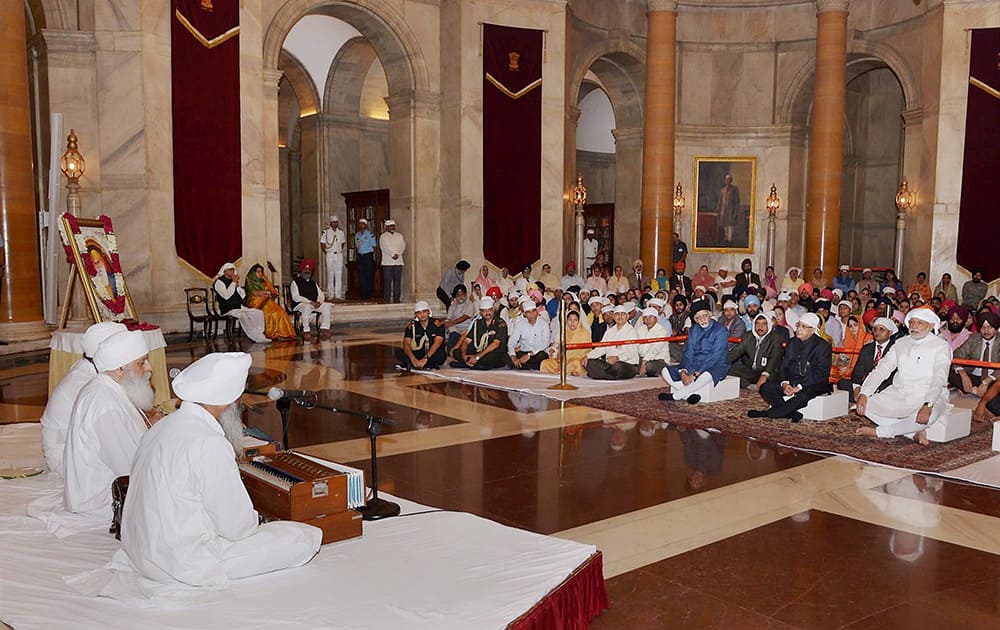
(705, 361)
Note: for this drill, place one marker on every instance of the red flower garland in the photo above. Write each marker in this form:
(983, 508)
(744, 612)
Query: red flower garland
(117, 304)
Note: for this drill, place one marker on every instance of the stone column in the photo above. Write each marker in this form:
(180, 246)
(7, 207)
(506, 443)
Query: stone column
(628, 184)
(20, 289)
(658, 135)
(826, 139)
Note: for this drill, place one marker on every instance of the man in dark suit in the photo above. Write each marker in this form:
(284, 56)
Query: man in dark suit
(746, 277)
(756, 359)
(804, 374)
(636, 278)
(679, 281)
(980, 347)
(884, 332)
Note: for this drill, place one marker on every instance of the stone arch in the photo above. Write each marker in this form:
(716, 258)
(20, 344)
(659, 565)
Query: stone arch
(620, 66)
(346, 76)
(376, 20)
(298, 77)
(862, 56)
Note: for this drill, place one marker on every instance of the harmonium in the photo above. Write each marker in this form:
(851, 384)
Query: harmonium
(287, 486)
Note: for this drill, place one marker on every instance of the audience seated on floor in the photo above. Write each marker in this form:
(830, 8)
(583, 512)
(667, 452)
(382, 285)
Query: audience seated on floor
(804, 373)
(704, 363)
(612, 363)
(757, 358)
(528, 342)
(484, 345)
(655, 356)
(423, 341)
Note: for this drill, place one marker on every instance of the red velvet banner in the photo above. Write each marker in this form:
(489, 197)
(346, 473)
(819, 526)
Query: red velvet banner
(512, 145)
(982, 157)
(205, 78)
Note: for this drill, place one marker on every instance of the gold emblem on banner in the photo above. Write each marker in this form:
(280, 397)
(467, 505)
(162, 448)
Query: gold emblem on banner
(206, 5)
(514, 58)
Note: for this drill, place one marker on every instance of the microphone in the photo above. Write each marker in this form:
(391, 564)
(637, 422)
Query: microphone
(173, 373)
(276, 393)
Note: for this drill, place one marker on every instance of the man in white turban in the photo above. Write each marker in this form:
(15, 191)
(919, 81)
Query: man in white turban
(918, 395)
(229, 296)
(55, 418)
(107, 422)
(188, 517)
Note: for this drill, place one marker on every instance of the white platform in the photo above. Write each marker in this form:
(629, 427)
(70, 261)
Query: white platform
(827, 407)
(996, 436)
(726, 389)
(956, 424)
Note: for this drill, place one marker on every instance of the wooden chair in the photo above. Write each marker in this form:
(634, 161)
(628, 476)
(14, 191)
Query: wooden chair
(232, 324)
(286, 298)
(199, 312)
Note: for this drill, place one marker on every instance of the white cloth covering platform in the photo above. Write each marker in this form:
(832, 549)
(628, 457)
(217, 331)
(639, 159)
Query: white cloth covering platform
(435, 570)
(536, 383)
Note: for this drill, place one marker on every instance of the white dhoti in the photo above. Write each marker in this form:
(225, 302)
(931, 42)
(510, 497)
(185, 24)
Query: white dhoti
(252, 322)
(324, 309)
(335, 275)
(894, 415)
(274, 546)
(700, 385)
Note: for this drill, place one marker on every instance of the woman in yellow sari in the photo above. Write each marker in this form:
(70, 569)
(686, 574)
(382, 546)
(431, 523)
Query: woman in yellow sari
(261, 294)
(575, 333)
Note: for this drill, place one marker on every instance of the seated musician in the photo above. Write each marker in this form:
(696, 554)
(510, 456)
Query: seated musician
(423, 341)
(188, 517)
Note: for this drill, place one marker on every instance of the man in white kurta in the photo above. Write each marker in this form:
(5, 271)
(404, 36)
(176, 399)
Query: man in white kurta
(393, 245)
(55, 418)
(308, 298)
(333, 242)
(614, 363)
(528, 343)
(653, 356)
(918, 394)
(187, 517)
(106, 424)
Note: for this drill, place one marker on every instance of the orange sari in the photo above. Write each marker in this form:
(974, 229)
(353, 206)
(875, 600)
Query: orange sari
(843, 363)
(277, 323)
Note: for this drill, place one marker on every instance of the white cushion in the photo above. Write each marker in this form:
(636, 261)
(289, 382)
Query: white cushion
(827, 407)
(726, 389)
(957, 423)
(996, 436)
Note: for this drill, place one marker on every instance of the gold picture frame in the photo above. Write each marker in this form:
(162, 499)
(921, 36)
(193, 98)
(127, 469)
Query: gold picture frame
(92, 246)
(723, 211)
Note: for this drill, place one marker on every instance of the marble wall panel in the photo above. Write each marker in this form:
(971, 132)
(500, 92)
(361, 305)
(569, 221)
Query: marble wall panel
(598, 172)
(374, 156)
(117, 15)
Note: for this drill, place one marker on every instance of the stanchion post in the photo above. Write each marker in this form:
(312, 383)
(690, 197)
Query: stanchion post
(563, 385)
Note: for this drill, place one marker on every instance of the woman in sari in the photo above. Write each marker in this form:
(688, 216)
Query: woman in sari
(703, 278)
(854, 338)
(262, 295)
(484, 280)
(575, 333)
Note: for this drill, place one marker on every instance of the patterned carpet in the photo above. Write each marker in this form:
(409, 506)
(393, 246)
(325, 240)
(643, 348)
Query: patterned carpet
(837, 435)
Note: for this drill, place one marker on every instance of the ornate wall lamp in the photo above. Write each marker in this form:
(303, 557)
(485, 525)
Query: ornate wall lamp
(905, 200)
(73, 167)
(678, 207)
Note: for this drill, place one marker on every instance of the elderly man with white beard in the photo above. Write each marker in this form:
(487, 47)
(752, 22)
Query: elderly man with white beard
(918, 394)
(55, 418)
(107, 423)
(188, 518)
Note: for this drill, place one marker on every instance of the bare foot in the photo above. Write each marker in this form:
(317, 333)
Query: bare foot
(866, 431)
(920, 437)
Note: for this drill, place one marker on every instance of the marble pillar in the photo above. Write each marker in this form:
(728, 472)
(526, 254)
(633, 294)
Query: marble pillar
(628, 184)
(826, 139)
(658, 138)
(20, 301)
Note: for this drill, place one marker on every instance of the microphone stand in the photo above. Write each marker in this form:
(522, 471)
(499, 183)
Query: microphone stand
(376, 508)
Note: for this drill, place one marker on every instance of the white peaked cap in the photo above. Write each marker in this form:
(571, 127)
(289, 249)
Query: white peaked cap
(421, 306)
(810, 319)
(98, 333)
(215, 379)
(390, 222)
(886, 323)
(622, 308)
(486, 303)
(650, 312)
(119, 349)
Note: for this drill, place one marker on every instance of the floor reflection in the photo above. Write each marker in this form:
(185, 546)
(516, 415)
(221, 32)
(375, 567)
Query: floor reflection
(514, 401)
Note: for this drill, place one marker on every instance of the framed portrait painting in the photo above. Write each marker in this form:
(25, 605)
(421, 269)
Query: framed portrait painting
(725, 193)
(92, 247)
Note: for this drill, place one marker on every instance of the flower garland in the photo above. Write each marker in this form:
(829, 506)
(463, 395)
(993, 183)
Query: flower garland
(114, 304)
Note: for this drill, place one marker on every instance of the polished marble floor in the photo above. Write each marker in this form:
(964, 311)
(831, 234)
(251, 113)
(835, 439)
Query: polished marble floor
(697, 530)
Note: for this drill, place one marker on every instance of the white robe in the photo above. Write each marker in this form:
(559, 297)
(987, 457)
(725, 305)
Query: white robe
(55, 418)
(188, 517)
(922, 378)
(104, 432)
(251, 319)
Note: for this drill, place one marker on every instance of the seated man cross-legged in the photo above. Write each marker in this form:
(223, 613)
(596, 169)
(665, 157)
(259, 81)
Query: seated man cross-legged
(528, 343)
(804, 373)
(188, 518)
(484, 345)
(655, 356)
(918, 396)
(756, 359)
(423, 341)
(615, 363)
(704, 362)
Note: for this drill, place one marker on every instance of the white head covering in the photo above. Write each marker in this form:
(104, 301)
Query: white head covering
(363, 220)
(422, 305)
(886, 323)
(120, 349)
(924, 314)
(784, 296)
(811, 320)
(622, 308)
(98, 333)
(389, 222)
(797, 270)
(224, 267)
(334, 218)
(650, 312)
(657, 302)
(889, 290)
(486, 303)
(866, 270)
(527, 304)
(215, 379)
(723, 268)
(597, 299)
(845, 267)
(845, 303)
(729, 304)
(838, 293)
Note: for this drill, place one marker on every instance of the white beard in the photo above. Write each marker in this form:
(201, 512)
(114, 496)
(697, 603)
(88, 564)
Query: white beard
(232, 425)
(138, 389)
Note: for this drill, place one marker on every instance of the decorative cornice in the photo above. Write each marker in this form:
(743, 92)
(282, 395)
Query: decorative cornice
(913, 116)
(826, 6)
(661, 5)
(272, 77)
(627, 135)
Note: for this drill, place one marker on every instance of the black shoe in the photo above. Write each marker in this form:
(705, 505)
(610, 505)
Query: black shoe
(795, 416)
(665, 396)
(694, 399)
(457, 364)
(757, 413)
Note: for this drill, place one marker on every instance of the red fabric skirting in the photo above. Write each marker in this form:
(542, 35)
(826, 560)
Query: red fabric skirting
(573, 604)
